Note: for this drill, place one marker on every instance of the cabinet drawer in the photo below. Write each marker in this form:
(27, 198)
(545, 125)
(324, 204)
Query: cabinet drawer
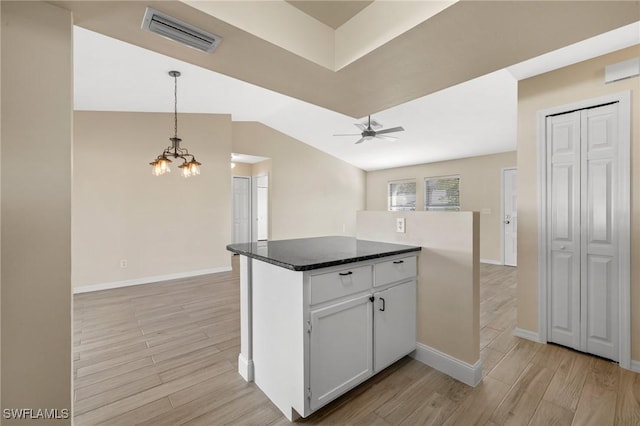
(394, 270)
(333, 285)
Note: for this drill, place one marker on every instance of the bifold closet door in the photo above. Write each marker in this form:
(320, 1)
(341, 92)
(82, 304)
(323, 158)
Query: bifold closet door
(583, 282)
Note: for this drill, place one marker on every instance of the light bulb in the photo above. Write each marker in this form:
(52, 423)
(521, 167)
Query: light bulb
(194, 168)
(164, 165)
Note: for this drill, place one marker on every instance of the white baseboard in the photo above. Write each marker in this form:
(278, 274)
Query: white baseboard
(526, 334)
(635, 366)
(148, 280)
(491, 262)
(466, 373)
(245, 368)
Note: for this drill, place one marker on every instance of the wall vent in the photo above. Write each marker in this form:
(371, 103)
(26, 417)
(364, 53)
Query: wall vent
(177, 30)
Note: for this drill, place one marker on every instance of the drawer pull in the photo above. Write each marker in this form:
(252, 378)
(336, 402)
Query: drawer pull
(344, 274)
(382, 307)
(397, 262)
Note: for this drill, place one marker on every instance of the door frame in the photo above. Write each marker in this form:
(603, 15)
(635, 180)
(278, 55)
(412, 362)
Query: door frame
(623, 217)
(503, 170)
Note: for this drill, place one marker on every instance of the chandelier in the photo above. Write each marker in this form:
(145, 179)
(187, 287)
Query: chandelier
(160, 165)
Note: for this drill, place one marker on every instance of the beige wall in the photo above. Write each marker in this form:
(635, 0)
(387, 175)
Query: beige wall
(36, 207)
(161, 225)
(311, 193)
(241, 169)
(448, 274)
(480, 189)
(578, 82)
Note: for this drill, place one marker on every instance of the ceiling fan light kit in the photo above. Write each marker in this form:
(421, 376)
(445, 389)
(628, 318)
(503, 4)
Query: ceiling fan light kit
(369, 131)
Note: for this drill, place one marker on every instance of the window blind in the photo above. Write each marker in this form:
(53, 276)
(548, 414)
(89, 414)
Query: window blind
(442, 193)
(402, 196)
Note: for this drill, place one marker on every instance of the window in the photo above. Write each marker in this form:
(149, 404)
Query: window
(442, 193)
(402, 196)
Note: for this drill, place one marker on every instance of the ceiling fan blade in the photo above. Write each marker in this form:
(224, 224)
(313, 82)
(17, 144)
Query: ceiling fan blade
(386, 138)
(347, 134)
(360, 140)
(391, 130)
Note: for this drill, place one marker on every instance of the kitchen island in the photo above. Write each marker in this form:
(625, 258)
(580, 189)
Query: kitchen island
(320, 315)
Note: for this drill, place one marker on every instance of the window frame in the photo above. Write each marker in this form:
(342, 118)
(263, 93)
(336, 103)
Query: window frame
(399, 182)
(444, 208)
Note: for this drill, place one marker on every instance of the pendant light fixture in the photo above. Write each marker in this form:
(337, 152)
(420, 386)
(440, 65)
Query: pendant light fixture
(161, 164)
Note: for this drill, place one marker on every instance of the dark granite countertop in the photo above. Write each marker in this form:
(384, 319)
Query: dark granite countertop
(305, 254)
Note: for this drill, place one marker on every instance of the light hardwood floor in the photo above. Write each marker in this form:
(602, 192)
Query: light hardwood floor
(166, 354)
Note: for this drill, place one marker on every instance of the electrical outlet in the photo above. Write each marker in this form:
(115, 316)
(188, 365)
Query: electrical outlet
(124, 263)
(400, 225)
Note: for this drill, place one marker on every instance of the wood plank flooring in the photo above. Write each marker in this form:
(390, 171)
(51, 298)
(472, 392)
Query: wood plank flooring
(166, 354)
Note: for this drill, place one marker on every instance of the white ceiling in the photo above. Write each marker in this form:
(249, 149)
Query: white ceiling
(474, 118)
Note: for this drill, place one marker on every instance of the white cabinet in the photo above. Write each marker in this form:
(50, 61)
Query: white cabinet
(394, 324)
(319, 333)
(340, 349)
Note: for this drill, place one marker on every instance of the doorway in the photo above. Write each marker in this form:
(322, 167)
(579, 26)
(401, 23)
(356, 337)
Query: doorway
(261, 207)
(584, 224)
(510, 216)
(241, 209)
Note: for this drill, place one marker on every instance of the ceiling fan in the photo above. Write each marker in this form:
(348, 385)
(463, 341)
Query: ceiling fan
(369, 131)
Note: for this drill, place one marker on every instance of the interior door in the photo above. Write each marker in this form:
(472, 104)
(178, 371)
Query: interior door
(599, 246)
(563, 147)
(394, 324)
(510, 220)
(583, 283)
(262, 207)
(241, 209)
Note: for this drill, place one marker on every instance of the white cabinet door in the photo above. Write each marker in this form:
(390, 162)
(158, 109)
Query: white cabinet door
(394, 324)
(340, 354)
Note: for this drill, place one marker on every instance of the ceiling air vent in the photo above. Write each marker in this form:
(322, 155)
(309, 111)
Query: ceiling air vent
(174, 29)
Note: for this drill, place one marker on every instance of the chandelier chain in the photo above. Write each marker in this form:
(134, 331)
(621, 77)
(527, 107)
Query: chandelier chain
(175, 105)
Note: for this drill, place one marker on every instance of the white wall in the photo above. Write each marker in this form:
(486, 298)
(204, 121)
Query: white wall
(311, 193)
(162, 225)
(448, 274)
(36, 208)
(574, 83)
(480, 190)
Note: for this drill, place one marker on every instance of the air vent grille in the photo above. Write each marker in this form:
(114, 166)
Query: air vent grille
(174, 29)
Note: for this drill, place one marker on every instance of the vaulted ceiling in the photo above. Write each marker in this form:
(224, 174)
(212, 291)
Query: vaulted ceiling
(445, 70)
(464, 40)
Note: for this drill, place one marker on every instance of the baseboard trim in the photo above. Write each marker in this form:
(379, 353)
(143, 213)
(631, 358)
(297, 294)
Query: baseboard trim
(635, 366)
(466, 373)
(245, 368)
(491, 262)
(526, 334)
(148, 280)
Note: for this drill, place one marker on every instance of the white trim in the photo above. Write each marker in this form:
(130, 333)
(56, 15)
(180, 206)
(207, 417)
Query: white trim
(492, 262)
(527, 334)
(623, 217)
(635, 366)
(148, 280)
(466, 373)
(245, 368)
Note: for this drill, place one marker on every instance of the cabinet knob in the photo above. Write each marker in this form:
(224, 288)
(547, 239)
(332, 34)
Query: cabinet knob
(397, 262)
(382, 307)
(344, 274)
